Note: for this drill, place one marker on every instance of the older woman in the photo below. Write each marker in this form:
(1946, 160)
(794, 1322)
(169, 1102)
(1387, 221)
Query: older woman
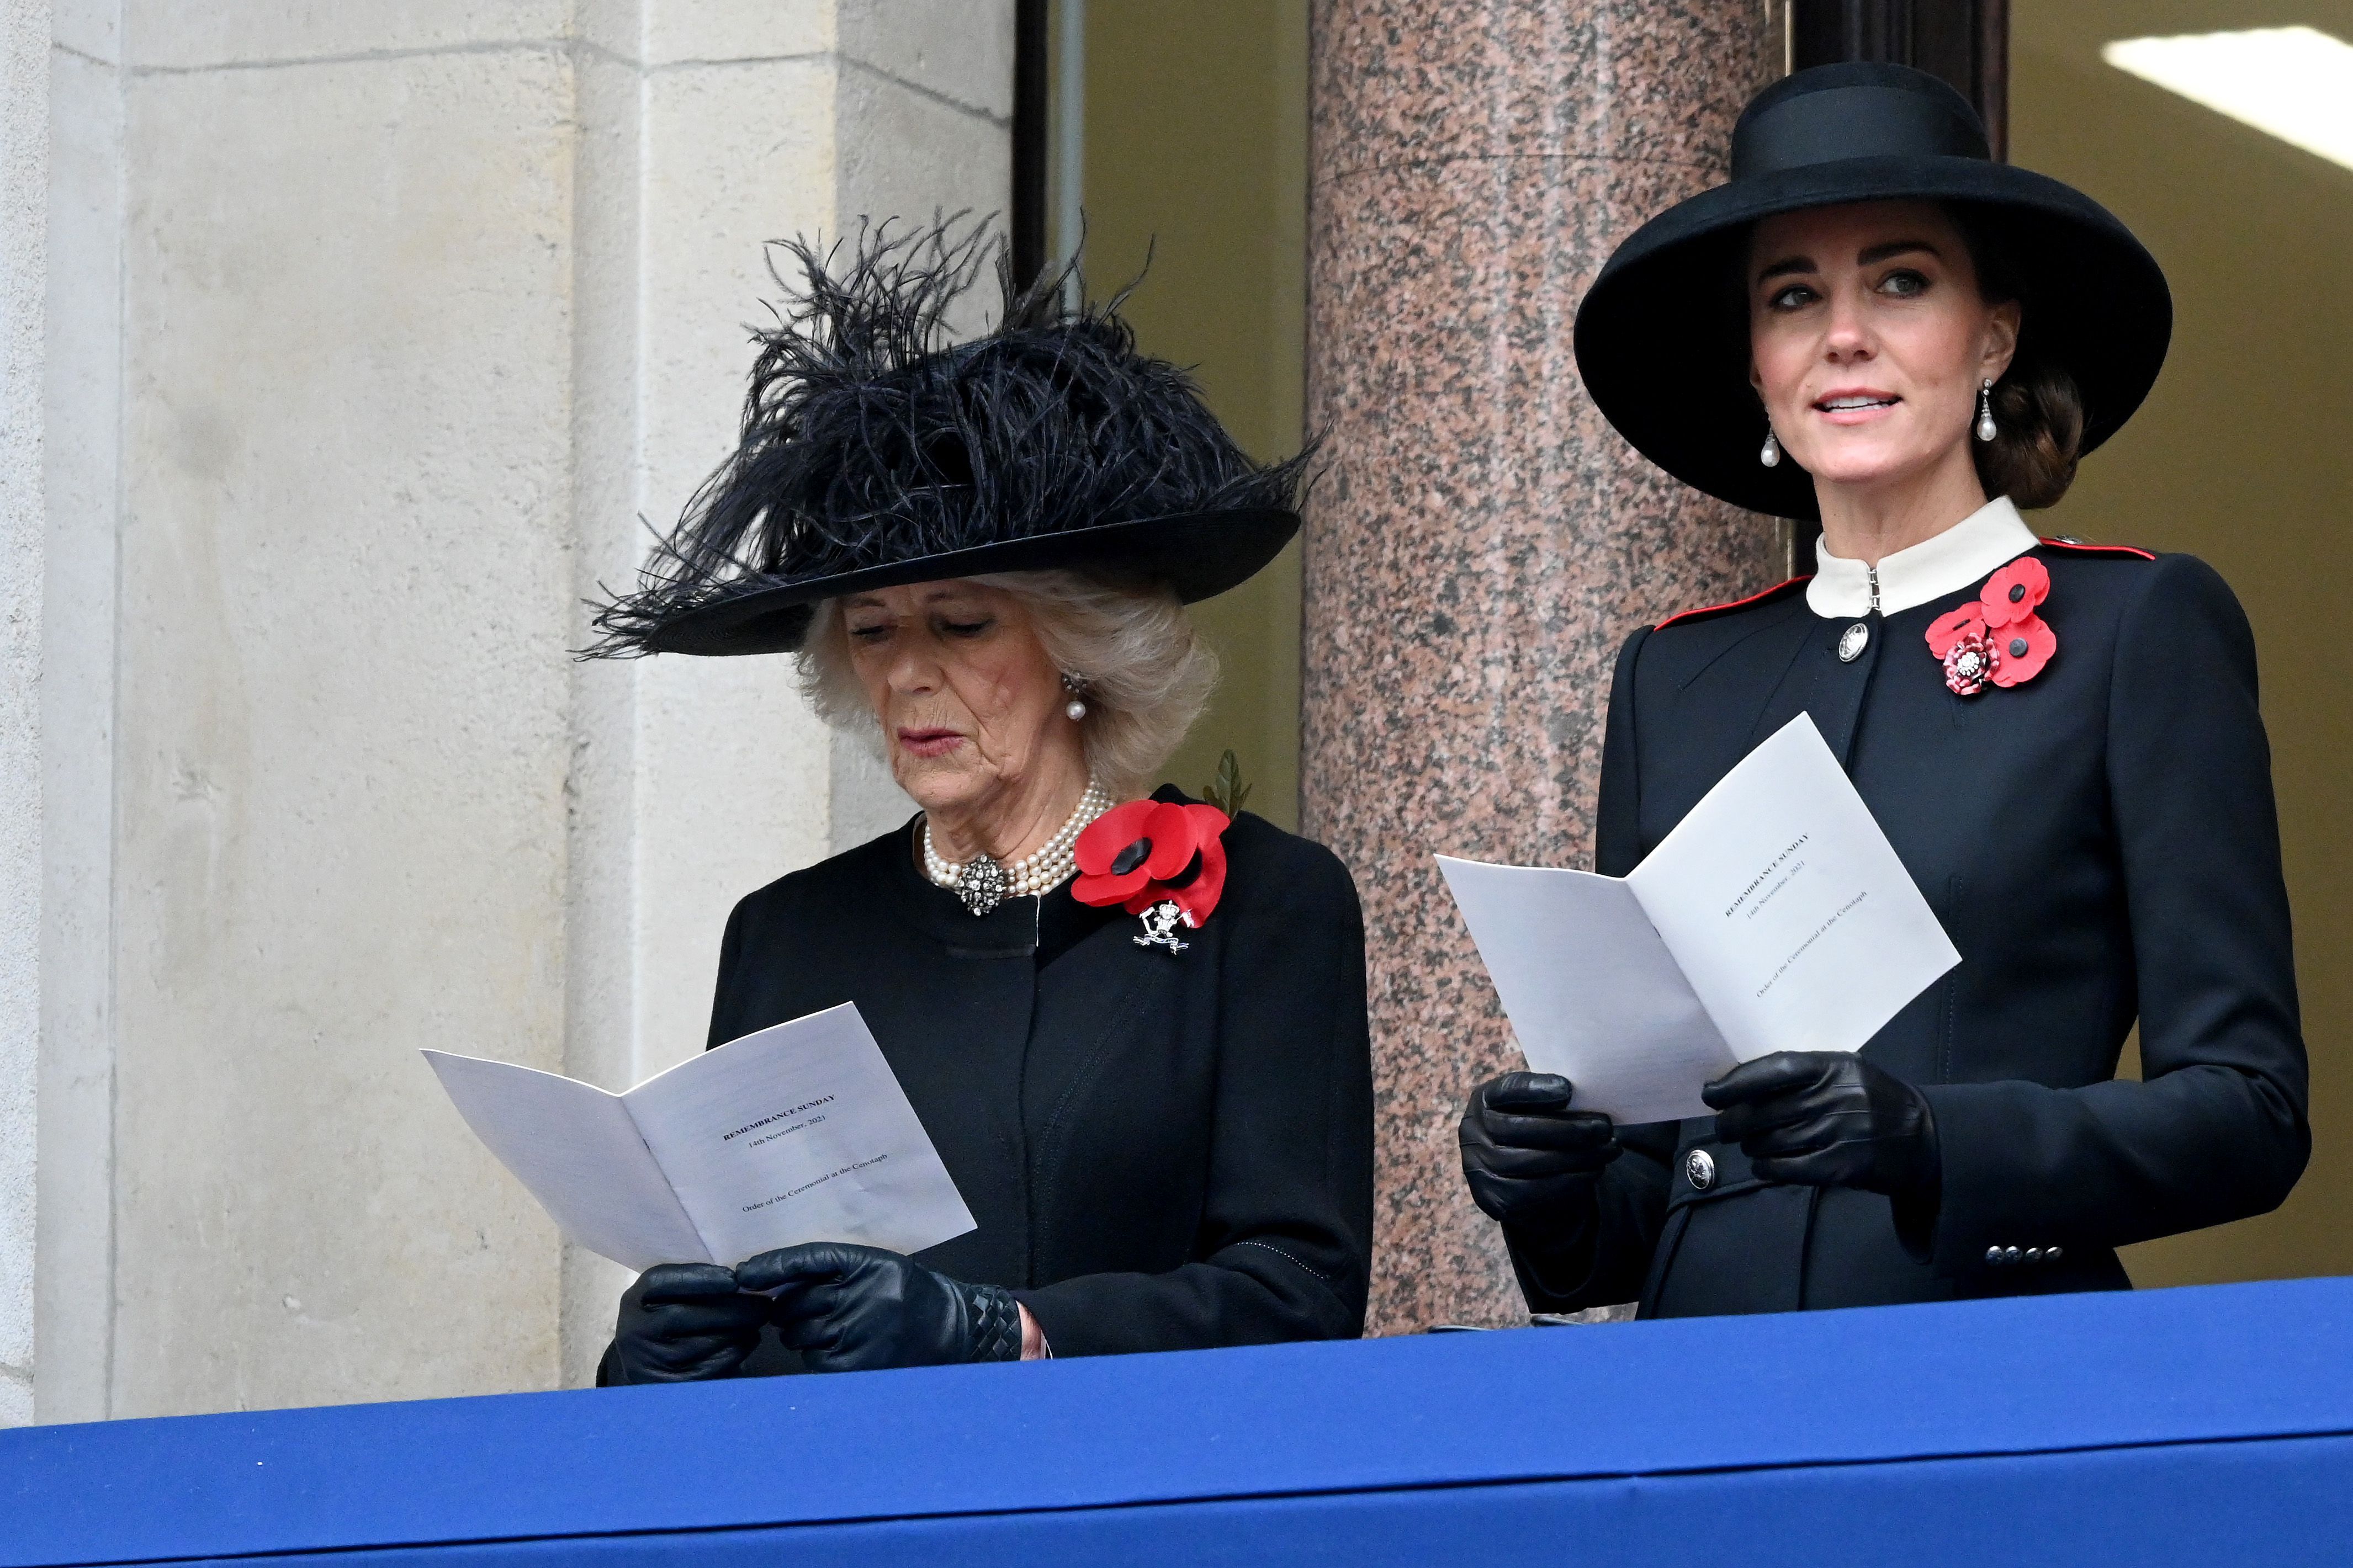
(1875, 325)
(1137, 1033)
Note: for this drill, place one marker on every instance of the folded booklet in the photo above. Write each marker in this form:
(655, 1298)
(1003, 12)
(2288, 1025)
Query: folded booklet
(1775, 916)
(797, 1133)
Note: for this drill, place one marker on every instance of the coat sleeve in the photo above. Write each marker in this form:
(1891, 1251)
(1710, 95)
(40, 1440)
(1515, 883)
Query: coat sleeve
(2216, 1128)
(1283, 1249)
(1605, 1261)
(725, 1000)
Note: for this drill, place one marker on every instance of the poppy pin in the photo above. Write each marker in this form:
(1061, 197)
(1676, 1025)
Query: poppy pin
(2000, 639)
(1163, 860)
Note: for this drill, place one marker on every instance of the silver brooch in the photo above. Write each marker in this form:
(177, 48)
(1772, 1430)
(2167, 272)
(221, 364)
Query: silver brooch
(981, 885)
(1161, 922)
(1851, 645)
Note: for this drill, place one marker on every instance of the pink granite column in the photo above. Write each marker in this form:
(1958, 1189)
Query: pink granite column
(1484, 542)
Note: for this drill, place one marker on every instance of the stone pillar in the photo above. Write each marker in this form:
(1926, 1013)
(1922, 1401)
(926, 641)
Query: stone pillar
(1484, 542)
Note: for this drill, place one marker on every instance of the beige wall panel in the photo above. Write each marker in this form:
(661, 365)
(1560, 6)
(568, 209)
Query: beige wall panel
(93, 28)
(961, 50)
(908, 154)
(733, 772)
(736, 156)
(80, 432)
(342, 747)
(684, 32)
(24, 205)
(1173, 91)
(205, 33)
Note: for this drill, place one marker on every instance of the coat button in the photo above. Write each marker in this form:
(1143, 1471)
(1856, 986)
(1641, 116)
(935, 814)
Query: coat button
(1993, 1254)
(2009, 1254)
(2051, 1255)
(1699, 1168)
(1853, 641)
(2034, 1255)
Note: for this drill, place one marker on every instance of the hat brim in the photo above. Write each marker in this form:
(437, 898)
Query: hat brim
(1199, 556)
(1662, 338)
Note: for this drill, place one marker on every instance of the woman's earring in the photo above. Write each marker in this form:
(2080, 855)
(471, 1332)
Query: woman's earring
(1771, 454)
(1984, 411)
(1076, 685)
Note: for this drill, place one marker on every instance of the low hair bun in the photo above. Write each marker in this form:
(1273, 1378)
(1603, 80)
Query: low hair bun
(2037, 417)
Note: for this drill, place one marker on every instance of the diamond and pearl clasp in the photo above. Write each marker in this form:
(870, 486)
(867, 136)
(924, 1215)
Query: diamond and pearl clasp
(983, 883)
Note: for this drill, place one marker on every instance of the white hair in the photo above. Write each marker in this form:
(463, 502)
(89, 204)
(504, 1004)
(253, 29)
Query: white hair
(1147, 673)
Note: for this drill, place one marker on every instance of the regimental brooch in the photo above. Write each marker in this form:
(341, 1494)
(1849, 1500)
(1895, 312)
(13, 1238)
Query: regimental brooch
(1162, 860)
(1999, 639)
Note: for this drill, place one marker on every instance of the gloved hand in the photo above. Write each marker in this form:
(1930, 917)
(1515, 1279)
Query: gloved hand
(854, 1308)
(1530, 1160)
(1829, 1119)
(682, 1322)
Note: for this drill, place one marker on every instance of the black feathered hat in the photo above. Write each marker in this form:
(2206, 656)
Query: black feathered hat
(877, 452)
(1662, 335)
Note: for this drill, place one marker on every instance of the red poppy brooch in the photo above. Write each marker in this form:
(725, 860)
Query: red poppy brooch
(2000, 639)
(1161, 859)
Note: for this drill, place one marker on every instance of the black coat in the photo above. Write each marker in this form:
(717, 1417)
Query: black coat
(1163, 1151)
(2100, 843)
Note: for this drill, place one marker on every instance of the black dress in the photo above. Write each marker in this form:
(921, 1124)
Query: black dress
(2100, 843)
(1163, 1151)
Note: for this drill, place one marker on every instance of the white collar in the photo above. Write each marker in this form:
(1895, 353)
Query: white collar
(1979, 545)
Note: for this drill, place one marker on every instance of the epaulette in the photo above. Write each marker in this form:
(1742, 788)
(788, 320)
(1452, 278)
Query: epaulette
(2085, 547)
(1795, 584)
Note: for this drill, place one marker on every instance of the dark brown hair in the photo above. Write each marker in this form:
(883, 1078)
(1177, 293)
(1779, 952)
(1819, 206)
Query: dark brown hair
(2038, 410)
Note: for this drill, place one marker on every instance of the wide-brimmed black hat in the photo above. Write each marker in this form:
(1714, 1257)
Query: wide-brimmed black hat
(876, 451)
(1662, 336)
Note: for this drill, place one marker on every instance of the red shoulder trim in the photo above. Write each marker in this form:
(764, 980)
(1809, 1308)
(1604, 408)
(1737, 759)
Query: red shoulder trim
(2077, 544)
(1776, 590)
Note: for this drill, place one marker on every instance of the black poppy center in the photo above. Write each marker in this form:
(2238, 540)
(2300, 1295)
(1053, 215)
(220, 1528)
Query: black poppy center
(1134, 855)
(2017, 592)
(2018, 648)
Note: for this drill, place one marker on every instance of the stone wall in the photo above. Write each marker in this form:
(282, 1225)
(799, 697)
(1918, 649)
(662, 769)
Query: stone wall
(24, 179)
(372, 332)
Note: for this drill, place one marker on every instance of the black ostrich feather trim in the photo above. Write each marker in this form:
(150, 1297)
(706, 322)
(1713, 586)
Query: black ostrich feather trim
(869, 437)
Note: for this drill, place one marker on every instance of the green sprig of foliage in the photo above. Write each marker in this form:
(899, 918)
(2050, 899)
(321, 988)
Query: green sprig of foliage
(1227, 791)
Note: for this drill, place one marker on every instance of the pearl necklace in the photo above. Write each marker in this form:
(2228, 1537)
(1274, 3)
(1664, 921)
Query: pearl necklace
(982, 884)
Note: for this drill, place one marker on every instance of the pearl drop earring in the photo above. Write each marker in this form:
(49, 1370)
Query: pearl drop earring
(1771, 455)
(1984, 411)
(1076, 685)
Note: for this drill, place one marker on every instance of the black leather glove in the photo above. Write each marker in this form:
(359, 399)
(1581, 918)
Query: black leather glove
(1827, 1118)
(1530, 1160)
(854, 1308)
(682, 1322)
